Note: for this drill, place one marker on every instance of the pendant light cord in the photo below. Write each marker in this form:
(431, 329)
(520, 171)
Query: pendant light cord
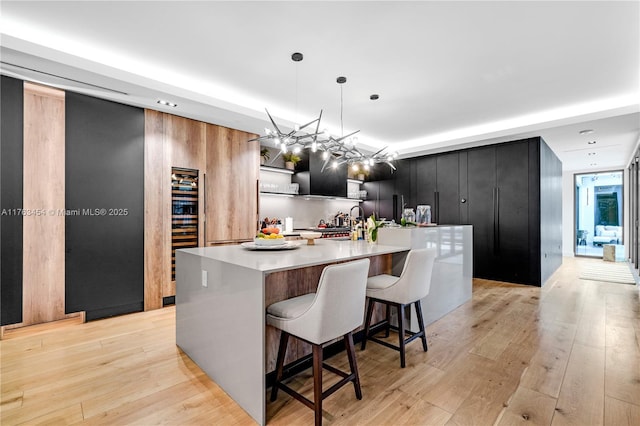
(341, 107)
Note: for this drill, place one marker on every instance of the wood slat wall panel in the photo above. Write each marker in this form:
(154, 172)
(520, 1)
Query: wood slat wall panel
(44, 186)
(155, 241)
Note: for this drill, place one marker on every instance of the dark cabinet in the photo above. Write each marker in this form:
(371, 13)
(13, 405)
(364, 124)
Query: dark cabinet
(332, 181)
(380, 199)
(426, 183)
(512, 206)
(509, 192)
(505, 196)
(404, 186)
(481, 206)
(438, 185)
(498, 203)
(447, 197)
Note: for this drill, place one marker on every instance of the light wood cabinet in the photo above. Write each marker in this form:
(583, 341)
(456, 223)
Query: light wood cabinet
(231, 185)
(227, 166)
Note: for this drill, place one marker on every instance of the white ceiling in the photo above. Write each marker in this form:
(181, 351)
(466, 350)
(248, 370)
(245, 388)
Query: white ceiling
(449, 74)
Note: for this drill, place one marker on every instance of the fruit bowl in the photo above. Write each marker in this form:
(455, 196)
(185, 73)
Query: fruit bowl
(269, 241)
(310, 236)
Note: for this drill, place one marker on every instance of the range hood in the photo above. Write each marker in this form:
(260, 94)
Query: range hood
(312, 181)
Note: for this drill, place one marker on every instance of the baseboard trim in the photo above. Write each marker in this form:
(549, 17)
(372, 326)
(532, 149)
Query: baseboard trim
(20, 329)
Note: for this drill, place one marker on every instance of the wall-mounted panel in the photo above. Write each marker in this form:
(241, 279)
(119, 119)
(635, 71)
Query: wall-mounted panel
(11, 164)
(44, 189)
(105, 196)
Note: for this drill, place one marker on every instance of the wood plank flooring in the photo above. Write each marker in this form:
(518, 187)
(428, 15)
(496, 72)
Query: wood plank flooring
(567, 354)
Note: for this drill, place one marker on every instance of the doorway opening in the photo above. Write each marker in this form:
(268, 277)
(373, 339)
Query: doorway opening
(598, 219)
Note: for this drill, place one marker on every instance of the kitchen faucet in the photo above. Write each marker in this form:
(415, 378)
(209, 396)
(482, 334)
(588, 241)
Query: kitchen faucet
(354, 218)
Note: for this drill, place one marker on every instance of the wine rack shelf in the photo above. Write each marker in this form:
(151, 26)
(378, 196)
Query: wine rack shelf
(184, 212)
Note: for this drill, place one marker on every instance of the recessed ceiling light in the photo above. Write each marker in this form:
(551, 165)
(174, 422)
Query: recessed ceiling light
(374, 97)
(586, 131)
(591, 142)
(167, 103)
(592, 153)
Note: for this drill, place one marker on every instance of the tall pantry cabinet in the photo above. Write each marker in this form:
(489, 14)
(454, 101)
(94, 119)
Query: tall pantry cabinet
(512, 195)
(503, 204)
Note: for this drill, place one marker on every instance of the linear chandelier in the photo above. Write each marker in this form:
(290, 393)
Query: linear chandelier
(335, 150)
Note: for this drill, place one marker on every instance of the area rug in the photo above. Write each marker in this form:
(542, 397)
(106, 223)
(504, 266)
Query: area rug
(613, 272)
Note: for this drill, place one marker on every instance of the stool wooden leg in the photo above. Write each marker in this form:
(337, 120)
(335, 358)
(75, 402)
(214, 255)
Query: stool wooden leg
(282, 350)
(317, 383)
(367, 323)
(400, 309)
(351, 354)
(421, 324)
(388, 328)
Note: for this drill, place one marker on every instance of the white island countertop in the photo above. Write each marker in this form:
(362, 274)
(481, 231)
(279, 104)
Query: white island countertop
(267, 261)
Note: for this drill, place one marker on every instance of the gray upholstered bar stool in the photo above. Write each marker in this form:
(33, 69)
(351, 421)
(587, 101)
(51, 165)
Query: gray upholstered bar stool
(409, 288)
(334, 310)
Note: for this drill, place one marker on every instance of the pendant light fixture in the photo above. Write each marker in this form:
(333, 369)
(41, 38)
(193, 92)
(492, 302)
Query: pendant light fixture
(345, 147)
(335, 151)
(296, 139)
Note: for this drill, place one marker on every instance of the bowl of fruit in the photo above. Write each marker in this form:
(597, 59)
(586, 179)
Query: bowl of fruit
(269, 237)
(310, 236)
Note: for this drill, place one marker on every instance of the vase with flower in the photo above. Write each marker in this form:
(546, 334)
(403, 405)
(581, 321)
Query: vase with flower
(372, 228)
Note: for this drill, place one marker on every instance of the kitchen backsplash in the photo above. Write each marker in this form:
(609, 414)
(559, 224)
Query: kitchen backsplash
(305, 213)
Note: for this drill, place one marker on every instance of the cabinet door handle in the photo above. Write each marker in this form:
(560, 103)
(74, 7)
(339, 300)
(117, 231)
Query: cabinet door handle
(436, 206)
(204, 206)
(496, 221)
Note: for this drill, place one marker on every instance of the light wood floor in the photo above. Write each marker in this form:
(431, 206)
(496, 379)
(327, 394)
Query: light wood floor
(566, 354)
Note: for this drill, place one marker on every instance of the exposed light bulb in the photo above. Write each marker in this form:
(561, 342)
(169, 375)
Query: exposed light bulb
(395, 154)
(366, 167)
(314, 146)
(277, 141)
(355, 167)
(297, 150)
(390, 158)
(335, 165)
(325, 155)
(267, 131)
(296, 127)
(283, 147)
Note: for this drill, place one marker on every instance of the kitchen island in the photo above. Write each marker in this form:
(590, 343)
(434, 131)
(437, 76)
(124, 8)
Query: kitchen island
(221, 297)
(451, 279)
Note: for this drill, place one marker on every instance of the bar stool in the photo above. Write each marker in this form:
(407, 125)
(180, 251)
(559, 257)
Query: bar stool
(412, 286)
(335, 310)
